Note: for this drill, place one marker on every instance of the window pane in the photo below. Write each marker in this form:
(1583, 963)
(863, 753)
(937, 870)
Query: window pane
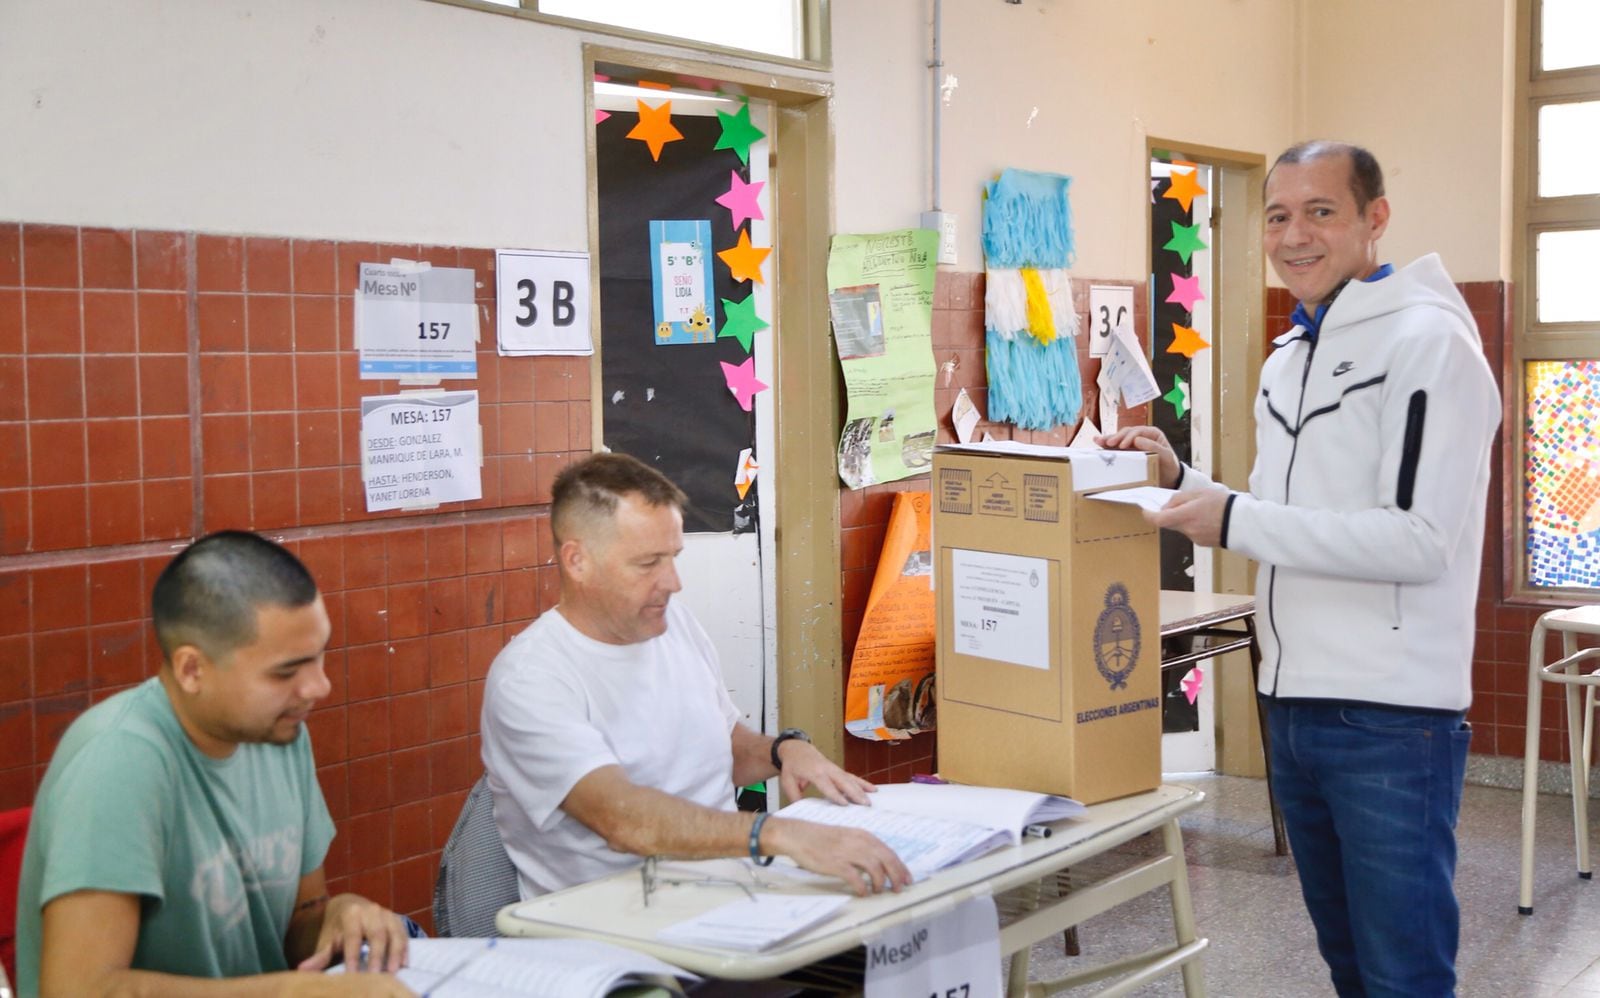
(1570, 31)
(1569, 148)
(772, 26)
(1564, 275)
(1562, 473)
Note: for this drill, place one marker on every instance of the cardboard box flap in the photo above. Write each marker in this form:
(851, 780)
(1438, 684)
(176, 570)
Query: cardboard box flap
(1092, 468)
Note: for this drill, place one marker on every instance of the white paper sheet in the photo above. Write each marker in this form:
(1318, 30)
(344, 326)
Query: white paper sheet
(1147, 497)
(753, 924)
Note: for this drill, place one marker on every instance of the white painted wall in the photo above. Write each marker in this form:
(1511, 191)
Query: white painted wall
(411, 121)
(1066, 87)
(353, 119)
(1424, 84)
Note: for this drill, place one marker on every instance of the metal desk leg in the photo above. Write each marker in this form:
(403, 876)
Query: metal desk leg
(1530, 764)
(1194, 985)
(1280, 841)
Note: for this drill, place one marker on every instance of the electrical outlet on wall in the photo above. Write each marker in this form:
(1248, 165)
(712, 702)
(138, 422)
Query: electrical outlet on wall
(944, 223)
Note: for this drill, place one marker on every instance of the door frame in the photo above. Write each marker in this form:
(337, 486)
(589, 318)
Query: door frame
(1238, 320)
(809, 685)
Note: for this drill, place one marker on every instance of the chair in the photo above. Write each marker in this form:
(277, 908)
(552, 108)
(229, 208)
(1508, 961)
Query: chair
(476, 877)
(13, 836)
(1580, 730)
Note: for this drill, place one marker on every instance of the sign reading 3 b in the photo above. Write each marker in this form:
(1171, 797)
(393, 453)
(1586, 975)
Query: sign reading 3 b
(542, 302)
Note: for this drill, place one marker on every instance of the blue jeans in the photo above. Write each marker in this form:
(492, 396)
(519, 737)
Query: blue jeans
(1369, 797)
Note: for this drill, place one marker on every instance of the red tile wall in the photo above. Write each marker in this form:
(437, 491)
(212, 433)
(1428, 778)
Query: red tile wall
(864, 513)
(158, 385)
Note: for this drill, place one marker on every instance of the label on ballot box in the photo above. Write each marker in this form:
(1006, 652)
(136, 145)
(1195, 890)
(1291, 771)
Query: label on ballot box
(953, 955)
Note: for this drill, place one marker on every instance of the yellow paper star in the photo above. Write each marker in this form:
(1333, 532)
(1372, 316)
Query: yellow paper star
(655, 128)
(1184, 186)
(744, 261)
(1186, 341)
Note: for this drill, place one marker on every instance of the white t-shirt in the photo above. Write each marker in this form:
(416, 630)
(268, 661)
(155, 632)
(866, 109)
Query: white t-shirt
(559, 705)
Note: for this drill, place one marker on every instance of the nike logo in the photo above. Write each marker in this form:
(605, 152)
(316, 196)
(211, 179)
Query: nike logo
(1345, 367)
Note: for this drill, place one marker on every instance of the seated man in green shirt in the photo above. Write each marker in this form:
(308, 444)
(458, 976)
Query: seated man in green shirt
(180, 831)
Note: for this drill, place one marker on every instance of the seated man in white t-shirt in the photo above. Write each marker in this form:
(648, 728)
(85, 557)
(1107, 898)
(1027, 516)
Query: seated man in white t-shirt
(607, 732)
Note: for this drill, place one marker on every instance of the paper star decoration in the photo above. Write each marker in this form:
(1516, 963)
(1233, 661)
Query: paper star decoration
(1192, 684)
(740, 321)
(745, 474)
(1185, 240)
(741, 199)
(1185, 291)
(1186, 341)
(742, 381)
(1179, 396)
(600, 115)
(744, 261)
(738, 133)
(1184, 188)
(655, 128)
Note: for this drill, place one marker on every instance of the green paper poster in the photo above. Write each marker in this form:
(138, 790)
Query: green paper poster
(881, 300)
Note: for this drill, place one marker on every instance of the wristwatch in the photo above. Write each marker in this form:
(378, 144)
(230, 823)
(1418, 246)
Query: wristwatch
(783, 736)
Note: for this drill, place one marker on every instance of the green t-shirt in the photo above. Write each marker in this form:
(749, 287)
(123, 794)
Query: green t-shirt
(215, 848)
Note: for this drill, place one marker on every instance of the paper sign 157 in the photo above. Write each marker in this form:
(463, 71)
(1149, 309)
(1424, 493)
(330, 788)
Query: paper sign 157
(416, 320)
(420, 450)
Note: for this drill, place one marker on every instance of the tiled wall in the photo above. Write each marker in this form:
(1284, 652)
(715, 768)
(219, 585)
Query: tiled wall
(158, 385)
(864, 513)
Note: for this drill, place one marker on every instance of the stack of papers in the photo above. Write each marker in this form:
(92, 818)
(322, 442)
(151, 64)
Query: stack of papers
(753, 924)
(530, 968)
(934, 826)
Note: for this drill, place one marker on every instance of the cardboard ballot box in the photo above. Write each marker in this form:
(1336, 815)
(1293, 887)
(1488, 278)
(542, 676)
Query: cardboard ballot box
(1049, 646)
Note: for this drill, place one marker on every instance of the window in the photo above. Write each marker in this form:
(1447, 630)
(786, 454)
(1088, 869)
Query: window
(1555, 350)
(787, 29)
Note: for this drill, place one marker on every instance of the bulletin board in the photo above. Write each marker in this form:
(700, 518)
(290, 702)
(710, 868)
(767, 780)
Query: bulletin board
(665, 400)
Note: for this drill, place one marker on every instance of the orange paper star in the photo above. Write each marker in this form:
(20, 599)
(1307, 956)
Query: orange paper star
(1184, 187)
(1186, 341)
(655, 128)
(744, 261)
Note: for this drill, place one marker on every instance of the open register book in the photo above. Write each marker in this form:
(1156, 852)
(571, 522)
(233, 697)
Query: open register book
(932, 826)
(534, 968)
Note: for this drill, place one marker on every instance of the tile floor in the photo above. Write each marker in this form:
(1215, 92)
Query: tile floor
(1247, 901)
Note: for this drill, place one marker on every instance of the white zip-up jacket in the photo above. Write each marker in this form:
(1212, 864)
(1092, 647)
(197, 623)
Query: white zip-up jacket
(1367, 499)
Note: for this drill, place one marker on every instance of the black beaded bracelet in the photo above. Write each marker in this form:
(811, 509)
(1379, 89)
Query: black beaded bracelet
(755, 840)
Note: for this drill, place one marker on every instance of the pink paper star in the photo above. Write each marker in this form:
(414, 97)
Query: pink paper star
(1192, 684)
(600, 115)
(742, 381)
(1185, 291)
(741, 199)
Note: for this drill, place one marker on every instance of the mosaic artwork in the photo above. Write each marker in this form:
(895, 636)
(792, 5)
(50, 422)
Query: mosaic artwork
(1562, 473)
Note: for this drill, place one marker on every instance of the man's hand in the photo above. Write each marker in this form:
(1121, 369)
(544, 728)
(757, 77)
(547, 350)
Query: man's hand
(804, 767)
(1196, 515)
(1151, 441)
(859, 858)
(351, 920)
(311, 985)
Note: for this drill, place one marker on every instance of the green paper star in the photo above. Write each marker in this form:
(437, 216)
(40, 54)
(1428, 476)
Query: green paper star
(1185, 240)
(1179, 396)
(740, 321)
(738, 133)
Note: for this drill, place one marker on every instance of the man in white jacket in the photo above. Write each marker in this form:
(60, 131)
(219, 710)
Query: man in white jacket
(1365, 513)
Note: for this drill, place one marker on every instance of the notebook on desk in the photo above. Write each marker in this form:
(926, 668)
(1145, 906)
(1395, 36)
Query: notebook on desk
(934, 826)
(534, 968)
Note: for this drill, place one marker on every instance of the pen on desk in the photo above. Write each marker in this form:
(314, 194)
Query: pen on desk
(1036, 831)
(925, 778)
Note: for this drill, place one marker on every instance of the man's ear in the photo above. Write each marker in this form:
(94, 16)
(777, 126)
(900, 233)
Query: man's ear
(1378, 211)
(573, 559)
(189, 665)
